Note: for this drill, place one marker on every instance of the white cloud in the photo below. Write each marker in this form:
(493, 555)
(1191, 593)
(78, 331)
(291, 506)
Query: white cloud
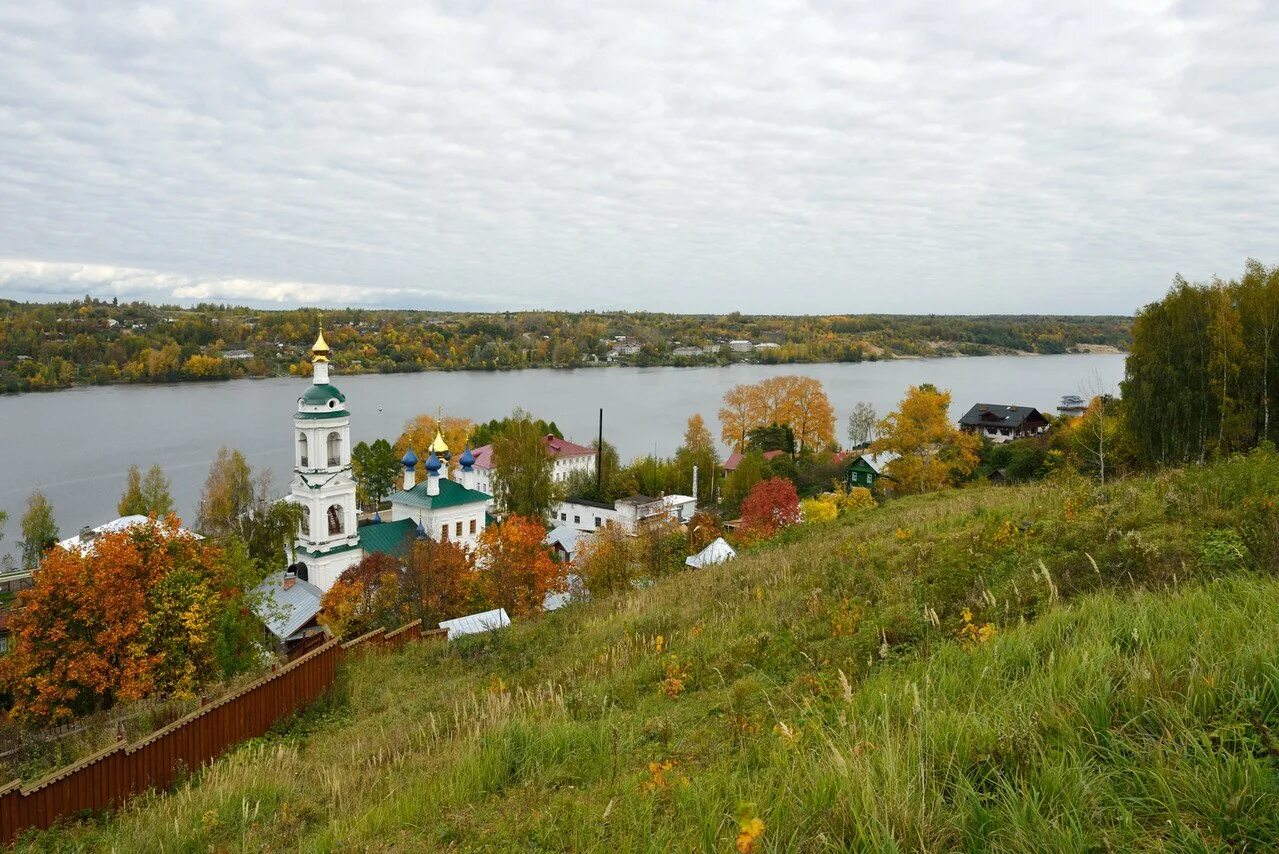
(54, 280)
(772, 156)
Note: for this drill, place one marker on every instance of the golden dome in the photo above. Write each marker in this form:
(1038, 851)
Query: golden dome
(320, 349)
(439, 445)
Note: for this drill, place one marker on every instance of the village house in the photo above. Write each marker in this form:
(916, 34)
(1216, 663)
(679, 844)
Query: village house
(1002, 423)
(739, 345)
(630, 514)
(289, 608)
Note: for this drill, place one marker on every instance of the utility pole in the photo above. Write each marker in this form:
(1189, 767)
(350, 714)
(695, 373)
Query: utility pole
(599, 459)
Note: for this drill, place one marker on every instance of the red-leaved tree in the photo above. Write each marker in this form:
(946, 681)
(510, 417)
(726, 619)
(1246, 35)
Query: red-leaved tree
(770, 506)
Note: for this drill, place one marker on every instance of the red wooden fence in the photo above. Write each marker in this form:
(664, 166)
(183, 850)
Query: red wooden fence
(112, 776)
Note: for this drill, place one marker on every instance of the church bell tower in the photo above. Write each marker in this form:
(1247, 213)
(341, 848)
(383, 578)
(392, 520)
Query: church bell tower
(327, 541)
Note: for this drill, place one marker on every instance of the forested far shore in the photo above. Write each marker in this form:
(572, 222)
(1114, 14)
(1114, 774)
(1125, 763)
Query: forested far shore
(46, 346)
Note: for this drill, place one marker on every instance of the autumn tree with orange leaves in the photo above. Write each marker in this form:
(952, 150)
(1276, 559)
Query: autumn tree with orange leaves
(151, 610)
(366, 596)
(440, 580)
(515, 568)
(794, 401)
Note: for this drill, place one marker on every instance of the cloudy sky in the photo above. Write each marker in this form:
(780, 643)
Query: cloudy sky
(794, 157)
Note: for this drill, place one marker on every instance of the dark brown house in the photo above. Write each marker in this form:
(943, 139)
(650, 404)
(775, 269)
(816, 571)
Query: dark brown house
(1002, 423)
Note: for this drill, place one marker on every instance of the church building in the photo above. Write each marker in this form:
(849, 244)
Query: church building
(329, 540)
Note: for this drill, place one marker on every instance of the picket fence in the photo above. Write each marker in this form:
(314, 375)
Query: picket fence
(110, 777)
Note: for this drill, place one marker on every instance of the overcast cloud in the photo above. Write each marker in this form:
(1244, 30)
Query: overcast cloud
(775, 156)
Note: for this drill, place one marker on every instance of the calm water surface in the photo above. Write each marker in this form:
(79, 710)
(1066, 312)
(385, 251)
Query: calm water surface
(76, 445)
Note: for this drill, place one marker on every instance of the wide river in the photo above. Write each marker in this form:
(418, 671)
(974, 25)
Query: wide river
(76, 445)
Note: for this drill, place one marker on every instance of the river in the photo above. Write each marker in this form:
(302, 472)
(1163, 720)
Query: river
(76, 445)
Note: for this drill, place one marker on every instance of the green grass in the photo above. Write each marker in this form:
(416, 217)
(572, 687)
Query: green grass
(1126, 702)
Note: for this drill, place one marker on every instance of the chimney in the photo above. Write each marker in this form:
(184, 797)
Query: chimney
(86, 535)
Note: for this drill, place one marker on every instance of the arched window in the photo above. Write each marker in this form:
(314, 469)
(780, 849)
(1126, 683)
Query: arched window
(335, 519)
(303, 461)
(335, 449)
(306, 520)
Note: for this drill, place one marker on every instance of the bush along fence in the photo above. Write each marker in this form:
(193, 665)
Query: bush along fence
(110, 777)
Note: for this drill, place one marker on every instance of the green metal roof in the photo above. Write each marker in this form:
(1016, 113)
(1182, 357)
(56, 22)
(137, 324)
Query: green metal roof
(318, 395)
(452, 494)
(386, 537)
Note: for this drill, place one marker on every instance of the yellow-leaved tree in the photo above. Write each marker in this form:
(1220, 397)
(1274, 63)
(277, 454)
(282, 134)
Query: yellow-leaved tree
(932, 453)
(419, 432)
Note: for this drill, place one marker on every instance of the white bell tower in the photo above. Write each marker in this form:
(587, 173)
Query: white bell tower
(328, 542)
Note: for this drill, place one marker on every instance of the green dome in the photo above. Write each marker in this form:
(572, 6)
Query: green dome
(319, 395)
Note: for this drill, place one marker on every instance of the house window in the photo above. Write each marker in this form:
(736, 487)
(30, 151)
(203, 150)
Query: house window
(457, 531)
(472, 526)
(335, 519)
(302, 459)
(563, 517)
(598, 521)
(444, 531)
(577, 520)
(335, 449)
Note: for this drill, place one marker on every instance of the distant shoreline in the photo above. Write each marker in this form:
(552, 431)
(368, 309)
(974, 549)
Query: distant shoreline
(1078, 350)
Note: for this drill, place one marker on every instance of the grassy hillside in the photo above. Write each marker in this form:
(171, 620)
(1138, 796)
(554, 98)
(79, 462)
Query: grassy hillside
(1114, 685)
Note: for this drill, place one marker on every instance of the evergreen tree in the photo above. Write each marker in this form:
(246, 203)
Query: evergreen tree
(375, 468)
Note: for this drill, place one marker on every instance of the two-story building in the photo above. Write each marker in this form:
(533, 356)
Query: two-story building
(1000, 422)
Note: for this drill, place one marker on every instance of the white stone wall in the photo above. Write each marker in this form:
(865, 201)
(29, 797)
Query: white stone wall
(583, 517)
(435, 520)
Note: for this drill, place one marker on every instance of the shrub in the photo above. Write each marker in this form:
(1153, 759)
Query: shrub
(819, 509)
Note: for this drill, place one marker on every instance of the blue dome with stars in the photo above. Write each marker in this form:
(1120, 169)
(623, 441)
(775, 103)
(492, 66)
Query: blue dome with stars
(433, 464)
(410, 458)
(467, 459)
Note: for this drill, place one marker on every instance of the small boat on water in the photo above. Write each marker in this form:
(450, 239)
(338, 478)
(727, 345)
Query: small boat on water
(1072, 404)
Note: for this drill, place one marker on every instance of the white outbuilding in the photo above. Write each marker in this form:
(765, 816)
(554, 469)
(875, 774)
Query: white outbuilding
(474, 624)
(719, 551)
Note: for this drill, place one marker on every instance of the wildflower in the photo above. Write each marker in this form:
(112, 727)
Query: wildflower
(496, 685)
(696, 631)
(210, 821)
(903, 534)
(759, 594)
(659, 643)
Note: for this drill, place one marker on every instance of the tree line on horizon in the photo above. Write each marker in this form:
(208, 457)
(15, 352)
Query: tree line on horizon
(47, 346)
